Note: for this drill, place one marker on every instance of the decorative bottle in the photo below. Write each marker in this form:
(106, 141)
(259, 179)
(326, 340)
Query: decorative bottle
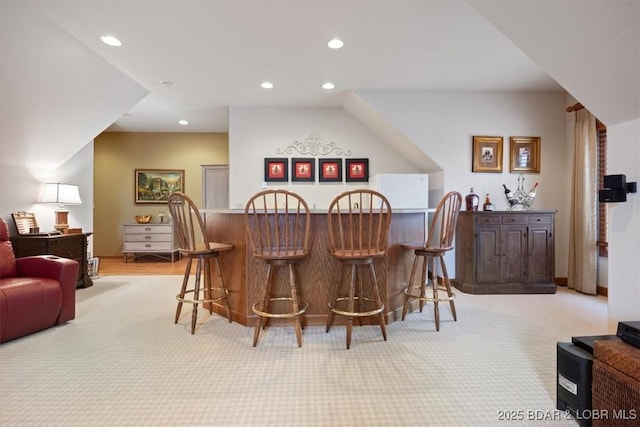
(534, 189)
(487, 206)
(472, 201)
(510, 199)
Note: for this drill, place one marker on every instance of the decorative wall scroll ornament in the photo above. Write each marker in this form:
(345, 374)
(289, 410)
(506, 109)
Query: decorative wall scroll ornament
(314, 145)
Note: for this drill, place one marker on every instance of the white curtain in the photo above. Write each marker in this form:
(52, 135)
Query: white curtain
(583, 228)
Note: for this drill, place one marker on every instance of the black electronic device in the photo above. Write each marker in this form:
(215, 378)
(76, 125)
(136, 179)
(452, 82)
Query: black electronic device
(574, 377)
(616, 188)
(587, 343)
(611, 195)
(629, 332)
(615, 181)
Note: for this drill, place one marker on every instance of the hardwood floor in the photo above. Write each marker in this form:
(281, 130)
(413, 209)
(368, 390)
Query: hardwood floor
(147, 266)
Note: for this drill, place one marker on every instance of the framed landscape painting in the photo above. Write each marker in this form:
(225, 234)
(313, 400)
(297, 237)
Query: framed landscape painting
(153, 186)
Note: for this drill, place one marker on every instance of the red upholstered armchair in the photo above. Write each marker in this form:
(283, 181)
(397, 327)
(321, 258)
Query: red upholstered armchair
(36, 292)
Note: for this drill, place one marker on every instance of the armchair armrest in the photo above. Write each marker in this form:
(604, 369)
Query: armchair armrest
(63, 270)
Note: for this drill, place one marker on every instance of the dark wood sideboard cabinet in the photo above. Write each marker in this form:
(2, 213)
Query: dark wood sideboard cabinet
(73, 246)
(505, 252)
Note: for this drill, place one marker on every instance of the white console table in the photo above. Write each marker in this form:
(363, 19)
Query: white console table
(149, 239)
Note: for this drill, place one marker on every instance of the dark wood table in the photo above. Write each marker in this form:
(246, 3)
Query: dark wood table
(72, 246)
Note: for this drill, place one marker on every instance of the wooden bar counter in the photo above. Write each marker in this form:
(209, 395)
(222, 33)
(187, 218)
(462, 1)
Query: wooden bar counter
(316, 273)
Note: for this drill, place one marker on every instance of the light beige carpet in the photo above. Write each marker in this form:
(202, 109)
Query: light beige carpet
(122, 361)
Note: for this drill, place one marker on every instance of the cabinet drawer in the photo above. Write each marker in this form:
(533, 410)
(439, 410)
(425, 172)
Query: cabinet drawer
(514, 219)
(148, 237)
(148, 229)
(540, 219)
(494, 219)
(148, 246)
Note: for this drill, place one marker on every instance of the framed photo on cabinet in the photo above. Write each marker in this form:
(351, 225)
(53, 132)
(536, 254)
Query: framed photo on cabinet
(330, 170)
(525, 154)
(303, 170)
(276, 169)
(487, 154)
(357, 170)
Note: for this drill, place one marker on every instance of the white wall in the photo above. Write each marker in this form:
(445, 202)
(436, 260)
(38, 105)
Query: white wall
(442, 124)
(623, 156)
(257, 132)
(21, 188)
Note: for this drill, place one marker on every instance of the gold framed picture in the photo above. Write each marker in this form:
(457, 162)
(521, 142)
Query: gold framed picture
(487, 154)
(525, 154)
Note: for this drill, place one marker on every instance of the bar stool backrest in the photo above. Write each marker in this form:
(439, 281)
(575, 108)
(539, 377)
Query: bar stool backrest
(189, 229)
(443, 224)
(358, 223)
(278, 224)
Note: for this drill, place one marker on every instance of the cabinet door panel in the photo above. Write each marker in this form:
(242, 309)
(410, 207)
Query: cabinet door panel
(514, 251)
(488, 254)
(540, 255)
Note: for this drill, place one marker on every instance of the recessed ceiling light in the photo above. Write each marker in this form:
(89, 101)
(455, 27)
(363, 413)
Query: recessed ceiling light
(335, 43)
(110, 40)
(328, 86)
(266, 85)
(183, 122)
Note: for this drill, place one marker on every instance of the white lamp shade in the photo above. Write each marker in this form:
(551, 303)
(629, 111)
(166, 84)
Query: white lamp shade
(63, 194)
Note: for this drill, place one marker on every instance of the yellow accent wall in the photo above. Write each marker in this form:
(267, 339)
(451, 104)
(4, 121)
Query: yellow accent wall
(116, 157)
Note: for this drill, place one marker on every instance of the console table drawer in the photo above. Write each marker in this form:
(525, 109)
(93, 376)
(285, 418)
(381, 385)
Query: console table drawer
(148, 229)
(149, 237)
(148, 246)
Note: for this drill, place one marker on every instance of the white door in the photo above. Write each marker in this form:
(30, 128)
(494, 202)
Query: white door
(215, 187)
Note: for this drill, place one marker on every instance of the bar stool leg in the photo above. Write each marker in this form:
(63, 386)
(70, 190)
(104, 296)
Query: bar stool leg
(196, 296)
(378, 299)
(183, 290)
(208, 290)
(412, 278)
(262, 322)
(423, 281)
(434, 280)
(223, 288)
(352, 291)
(336, 294)
(447, 285)
(294, 302)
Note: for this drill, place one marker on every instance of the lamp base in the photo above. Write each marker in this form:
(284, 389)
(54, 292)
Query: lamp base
(62, 216)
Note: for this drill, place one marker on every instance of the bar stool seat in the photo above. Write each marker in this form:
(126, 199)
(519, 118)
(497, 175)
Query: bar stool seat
(191, 238)
(438, 242)
(278, 225)
(358, 226)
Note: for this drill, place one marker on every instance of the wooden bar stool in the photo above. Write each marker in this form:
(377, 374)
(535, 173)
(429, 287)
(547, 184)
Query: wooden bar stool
(278, 224)
(438, 242)
(191, 238)
(358, 227)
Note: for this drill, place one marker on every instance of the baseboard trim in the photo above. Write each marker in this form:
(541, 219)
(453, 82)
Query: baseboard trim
(600, 290)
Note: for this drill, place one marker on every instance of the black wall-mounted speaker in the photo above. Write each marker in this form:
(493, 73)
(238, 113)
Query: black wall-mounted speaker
(611, 195)
(615, 181)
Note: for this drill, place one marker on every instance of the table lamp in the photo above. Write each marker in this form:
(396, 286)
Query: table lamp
(61, 194)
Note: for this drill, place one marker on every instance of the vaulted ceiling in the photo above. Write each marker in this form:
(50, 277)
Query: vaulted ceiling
(60, 86)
